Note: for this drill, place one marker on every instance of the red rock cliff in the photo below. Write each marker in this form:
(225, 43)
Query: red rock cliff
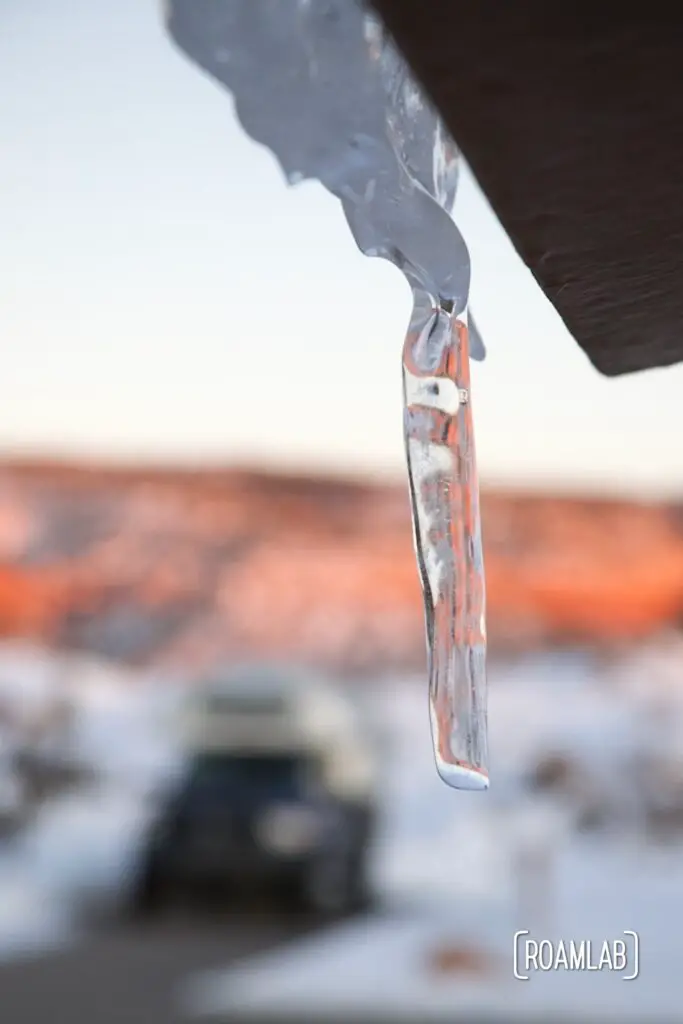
(188, 567)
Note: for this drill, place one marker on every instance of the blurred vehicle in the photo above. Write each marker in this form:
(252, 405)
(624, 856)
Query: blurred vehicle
(277, 790)
(12, 797)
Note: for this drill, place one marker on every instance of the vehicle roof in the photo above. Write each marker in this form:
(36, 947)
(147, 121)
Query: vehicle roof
(262, 677)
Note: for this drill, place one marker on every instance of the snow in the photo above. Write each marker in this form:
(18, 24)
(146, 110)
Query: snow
(437, 841)
(84, 843)
(79, 850)
(462, 867)
(76, 857)
(455, 863)
(379, 970)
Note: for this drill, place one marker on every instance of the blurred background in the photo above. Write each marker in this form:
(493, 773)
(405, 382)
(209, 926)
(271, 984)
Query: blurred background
(204, 519)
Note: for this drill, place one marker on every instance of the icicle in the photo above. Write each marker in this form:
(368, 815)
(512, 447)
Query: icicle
(321, 85)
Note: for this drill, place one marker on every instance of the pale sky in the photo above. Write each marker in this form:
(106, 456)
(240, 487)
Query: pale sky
(164, 295)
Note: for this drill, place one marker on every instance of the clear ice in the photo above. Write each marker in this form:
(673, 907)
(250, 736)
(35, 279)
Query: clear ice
(320, 84)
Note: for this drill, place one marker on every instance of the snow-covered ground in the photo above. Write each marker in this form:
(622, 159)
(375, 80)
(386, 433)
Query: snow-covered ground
(75, 857)
(467, 870)
(77, 850)
(381, 969)
(459, 856)
(438, 841)
(120, 722)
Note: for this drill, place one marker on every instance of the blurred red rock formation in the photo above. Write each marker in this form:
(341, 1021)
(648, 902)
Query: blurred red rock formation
(190, 567)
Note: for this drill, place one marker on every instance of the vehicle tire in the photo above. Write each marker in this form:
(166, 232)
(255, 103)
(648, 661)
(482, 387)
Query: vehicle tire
(337, 885)
(326, 887)
(150, 891)
(359, 881)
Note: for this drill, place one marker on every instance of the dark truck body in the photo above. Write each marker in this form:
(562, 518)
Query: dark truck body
(209, 837)
(277, 793)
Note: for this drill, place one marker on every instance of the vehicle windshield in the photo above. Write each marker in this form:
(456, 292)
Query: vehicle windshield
(232, 777)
